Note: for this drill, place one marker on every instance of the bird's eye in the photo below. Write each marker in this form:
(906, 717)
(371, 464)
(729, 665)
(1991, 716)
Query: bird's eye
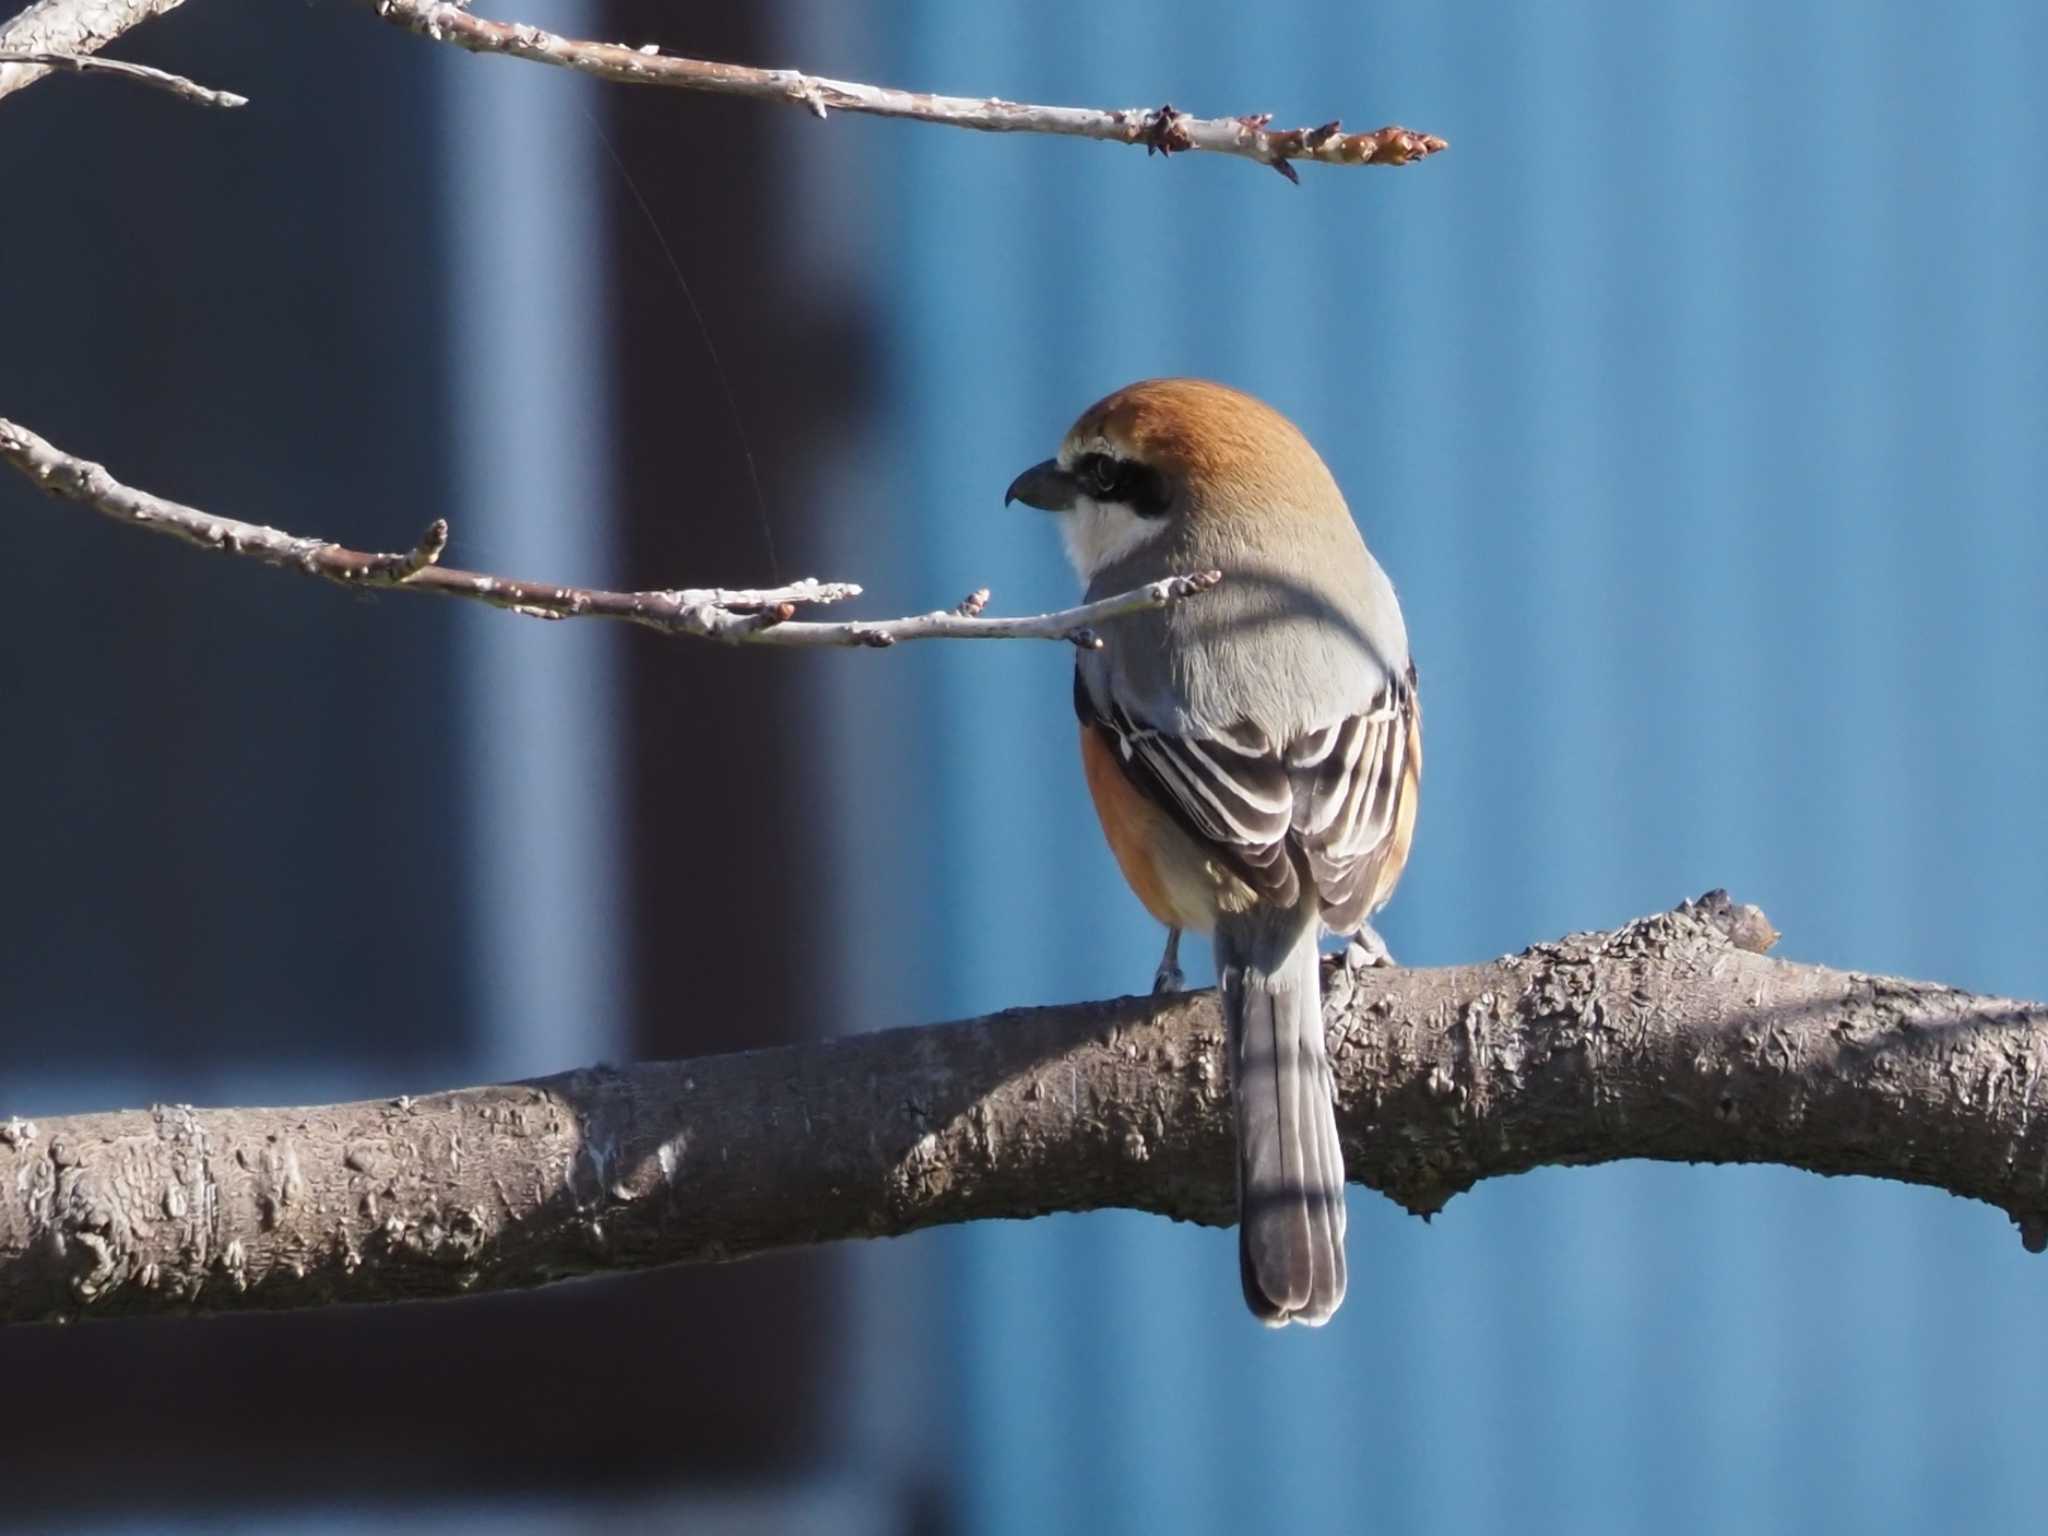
(1102, 476)
(1125, 482)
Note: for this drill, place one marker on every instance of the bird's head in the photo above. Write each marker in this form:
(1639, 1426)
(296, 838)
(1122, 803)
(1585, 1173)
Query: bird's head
(1181, 460)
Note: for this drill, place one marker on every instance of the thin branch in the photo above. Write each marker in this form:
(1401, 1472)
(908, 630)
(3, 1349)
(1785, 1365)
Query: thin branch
(69, 27)
(1161, 129)
(1671, 1037)
(163, 80)
(736, 617)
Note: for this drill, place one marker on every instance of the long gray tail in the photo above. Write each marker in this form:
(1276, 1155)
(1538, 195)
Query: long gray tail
(1290, 1169)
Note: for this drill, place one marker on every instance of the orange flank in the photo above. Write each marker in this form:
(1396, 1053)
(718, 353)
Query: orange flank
(1133, 825)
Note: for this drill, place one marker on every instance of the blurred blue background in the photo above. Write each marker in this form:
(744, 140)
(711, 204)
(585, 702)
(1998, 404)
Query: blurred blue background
(1696, 402)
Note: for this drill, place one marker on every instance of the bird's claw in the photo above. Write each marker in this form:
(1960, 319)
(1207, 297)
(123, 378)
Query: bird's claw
(1168, 979)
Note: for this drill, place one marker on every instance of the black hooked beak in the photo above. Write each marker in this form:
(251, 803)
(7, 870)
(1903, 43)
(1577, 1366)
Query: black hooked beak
(1044, 486)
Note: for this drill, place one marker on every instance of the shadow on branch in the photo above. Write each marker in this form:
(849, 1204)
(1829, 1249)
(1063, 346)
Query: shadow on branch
(1672, 1037)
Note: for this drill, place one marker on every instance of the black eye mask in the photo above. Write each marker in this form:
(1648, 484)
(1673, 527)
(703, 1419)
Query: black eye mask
(1137, 486)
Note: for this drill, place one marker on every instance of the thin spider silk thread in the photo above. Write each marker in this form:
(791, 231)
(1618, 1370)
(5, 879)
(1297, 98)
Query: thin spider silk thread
(732, 405)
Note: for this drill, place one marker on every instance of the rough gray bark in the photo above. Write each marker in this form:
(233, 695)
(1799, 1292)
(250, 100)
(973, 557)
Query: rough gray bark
(1672, 1037)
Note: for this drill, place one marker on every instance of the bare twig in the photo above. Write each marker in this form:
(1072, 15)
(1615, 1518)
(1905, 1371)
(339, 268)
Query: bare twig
(1670, 1037)
(737, 617)
(68, 27)
(163, 80)
(1160, 128)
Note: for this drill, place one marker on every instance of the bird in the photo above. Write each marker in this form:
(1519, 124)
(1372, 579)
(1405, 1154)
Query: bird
(1254, 754)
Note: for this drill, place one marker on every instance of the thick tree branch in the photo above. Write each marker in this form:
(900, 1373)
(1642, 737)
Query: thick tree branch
(68, 27)
(162, 79)
(1671, 1037)
(1162, 128)
(737, 617)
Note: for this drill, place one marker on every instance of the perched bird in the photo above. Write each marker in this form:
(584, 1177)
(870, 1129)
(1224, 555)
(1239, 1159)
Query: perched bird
(1253, 753)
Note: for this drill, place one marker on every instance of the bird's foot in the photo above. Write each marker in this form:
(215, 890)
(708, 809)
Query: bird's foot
(1168, 979)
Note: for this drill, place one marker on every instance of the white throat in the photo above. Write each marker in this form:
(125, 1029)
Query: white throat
(1098, 534)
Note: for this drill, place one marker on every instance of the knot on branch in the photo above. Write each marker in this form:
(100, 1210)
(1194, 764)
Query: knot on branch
(1163, 132)
(1716, 920)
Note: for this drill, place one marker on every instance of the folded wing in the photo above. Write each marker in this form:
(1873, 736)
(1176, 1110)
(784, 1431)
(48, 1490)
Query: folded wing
(1334, 806)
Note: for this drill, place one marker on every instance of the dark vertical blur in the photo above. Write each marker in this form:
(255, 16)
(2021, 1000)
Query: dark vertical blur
(720, 360)
(216, 871)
